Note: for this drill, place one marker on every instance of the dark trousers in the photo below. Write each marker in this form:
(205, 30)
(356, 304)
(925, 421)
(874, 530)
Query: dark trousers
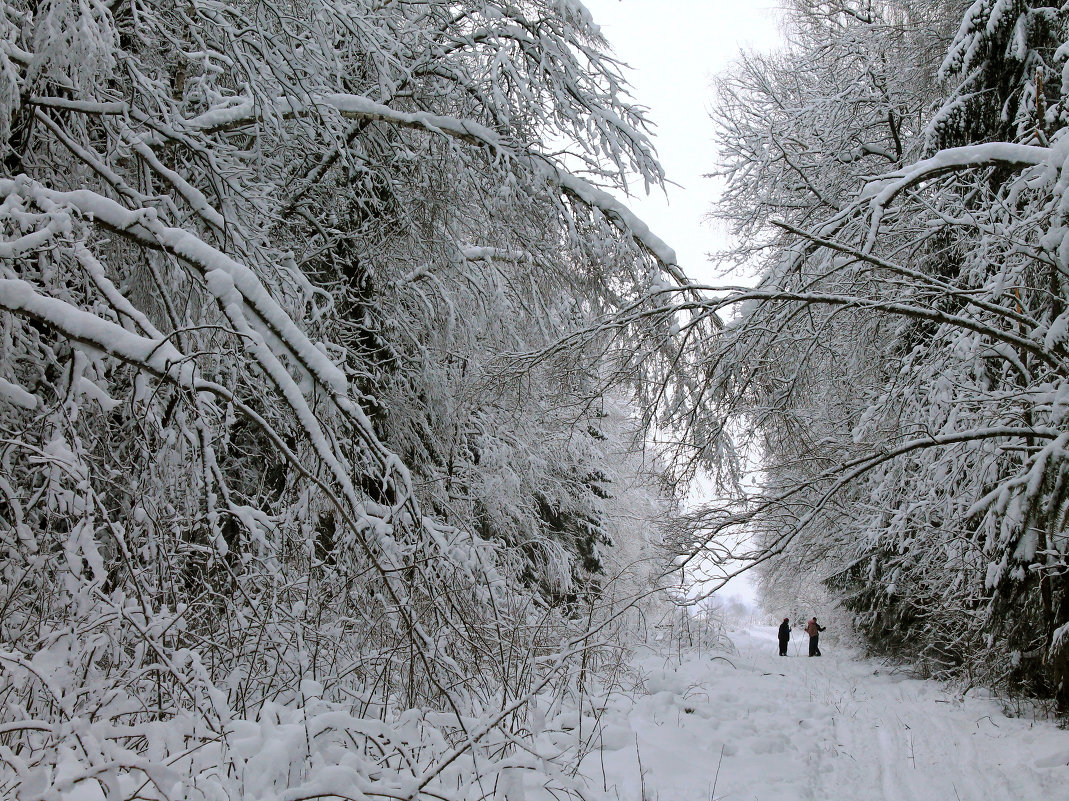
(783, 646)
(814, 648)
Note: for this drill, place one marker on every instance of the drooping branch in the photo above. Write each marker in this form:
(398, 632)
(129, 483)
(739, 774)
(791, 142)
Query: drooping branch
(881, 192)
(358, 107)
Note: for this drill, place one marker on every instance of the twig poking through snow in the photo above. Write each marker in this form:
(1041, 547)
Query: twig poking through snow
(716, 776)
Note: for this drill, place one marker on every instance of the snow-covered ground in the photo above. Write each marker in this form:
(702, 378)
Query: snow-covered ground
(753, 726)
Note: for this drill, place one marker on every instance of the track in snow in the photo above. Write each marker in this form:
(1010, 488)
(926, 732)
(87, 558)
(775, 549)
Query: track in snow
(834, 728)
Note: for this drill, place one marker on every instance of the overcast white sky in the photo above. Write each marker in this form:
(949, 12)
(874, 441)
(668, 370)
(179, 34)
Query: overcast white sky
(674, 48)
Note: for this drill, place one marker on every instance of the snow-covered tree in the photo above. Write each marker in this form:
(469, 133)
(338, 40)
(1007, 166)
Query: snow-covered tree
(900, 368)
(264, 471)
(1004, 69)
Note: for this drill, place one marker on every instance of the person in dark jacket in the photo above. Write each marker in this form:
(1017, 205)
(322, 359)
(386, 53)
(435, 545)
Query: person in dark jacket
(813, 629)
(784, 636)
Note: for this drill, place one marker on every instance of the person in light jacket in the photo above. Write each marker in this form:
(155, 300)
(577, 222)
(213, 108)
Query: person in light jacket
(784, 636)
(813, 629)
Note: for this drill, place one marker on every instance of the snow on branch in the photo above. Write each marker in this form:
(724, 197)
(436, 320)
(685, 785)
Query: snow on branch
(881, 191)
(144, 227)
(473, 133)
(360, 107)
(481, 253)
(621, 216)
(268, 335)
(158, 356)
(715, 522)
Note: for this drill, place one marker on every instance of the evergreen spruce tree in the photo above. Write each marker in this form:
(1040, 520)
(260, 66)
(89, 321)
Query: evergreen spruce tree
(1005, 68)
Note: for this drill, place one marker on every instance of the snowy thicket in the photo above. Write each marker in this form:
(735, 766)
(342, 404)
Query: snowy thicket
(280, 516)
(901, 369)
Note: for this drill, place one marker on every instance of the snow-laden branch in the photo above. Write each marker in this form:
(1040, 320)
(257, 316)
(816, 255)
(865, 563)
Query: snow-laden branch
(618, 213)
(740, 297)
(159, 356)
(144, 227)
(223, 275)
(921, 278)
(264, 329)
(483, 253)
(359, 107)
(881, 191)
(842, 476)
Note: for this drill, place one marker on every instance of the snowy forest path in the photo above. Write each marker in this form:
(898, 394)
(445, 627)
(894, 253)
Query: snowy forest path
(747, 724)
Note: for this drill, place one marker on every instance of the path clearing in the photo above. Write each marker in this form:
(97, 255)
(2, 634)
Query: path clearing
(834, 728)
